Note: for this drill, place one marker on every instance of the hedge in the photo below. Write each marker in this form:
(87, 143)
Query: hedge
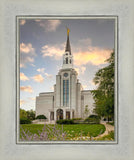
(65, 121)
(25, 121)
(41, 117)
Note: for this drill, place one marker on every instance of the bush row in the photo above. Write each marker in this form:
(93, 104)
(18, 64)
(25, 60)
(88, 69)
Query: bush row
(25, 121)
(41, 117)
(93, 119)
(65, 121)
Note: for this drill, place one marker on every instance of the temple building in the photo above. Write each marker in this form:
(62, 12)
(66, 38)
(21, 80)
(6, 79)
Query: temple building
(68, 100)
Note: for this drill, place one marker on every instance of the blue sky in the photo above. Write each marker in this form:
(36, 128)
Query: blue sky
(42, 45)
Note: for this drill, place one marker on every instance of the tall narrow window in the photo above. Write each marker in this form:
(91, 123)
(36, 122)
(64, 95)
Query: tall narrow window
(65, 92)
(66, 60)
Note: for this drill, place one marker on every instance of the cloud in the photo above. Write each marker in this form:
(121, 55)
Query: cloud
(32, 65)
(83, 69)
(93, 55)
(83, 53)
(26, 89)
(27, 54)
(38, 78)
(92, 83)
(32, 98)
(80, 69)
(22, 102)
(84, 86)
(23, 77)
(55, 52)
(27, 48)
(41, 70)
(48, 75)
(52, 88)
(49, 25)
(22, 22)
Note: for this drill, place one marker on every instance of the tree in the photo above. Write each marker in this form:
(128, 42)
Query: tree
(86, 111)
(23, 113)
(31, 114)
(104, 95)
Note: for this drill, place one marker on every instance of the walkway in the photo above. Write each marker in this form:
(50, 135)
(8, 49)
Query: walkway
(108, 127)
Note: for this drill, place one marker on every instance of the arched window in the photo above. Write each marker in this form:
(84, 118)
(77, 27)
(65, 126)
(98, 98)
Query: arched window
(66, 60)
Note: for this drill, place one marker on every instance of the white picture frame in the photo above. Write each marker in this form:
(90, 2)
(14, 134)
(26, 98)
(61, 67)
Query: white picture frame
(9, 148)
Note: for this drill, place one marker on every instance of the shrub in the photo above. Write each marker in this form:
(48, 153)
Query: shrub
(41, 117)
(65, 121)
(93, 119)
(94, 116)
(25, 121)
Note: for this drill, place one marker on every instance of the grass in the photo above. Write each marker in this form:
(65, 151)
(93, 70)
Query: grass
(72, 131)
(108, 137)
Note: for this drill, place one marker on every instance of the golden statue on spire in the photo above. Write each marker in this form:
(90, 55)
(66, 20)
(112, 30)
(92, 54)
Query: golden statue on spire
(68, 30)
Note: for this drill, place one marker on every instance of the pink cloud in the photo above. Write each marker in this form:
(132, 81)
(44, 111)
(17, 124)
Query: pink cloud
(55, 52)
(22, 102)
(22, 22)
(27, 54)
(38, 78)
(26, 89)
(23, 77)
(49, 25)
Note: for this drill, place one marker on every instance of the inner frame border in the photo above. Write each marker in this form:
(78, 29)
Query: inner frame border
(116, 88)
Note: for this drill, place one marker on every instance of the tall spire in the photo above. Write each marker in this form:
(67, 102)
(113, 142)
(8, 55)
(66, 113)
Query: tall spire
(68, 48)
(67, 57)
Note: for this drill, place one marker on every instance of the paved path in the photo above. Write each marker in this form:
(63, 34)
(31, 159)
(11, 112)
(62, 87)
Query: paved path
(108, 127)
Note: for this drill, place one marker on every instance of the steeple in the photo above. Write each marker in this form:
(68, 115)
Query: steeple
(67, 57)
(68, 48)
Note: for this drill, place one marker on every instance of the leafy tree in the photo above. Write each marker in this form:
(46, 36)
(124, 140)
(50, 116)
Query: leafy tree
(30, 114)
(23, 113)
(104, 95)
(86, 111)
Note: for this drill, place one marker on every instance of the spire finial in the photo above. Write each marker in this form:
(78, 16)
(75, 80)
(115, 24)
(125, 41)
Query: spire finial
(68, 30)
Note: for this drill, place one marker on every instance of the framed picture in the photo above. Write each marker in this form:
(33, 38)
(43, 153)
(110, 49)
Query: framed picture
(51, 70)
(35, 38)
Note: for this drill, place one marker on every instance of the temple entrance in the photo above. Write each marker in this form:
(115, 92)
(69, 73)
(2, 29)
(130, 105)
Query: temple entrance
(67, 115)
(59, 114)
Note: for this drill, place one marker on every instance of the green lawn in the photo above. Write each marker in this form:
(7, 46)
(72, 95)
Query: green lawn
(72, 131)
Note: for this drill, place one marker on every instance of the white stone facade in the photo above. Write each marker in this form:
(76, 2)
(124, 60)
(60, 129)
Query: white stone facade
(68, 100)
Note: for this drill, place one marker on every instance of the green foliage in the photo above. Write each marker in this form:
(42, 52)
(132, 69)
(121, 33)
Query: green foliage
(94, 116)
(31, 114)
(110, 136)
(23, 113)
(25, 121)
(27, 114)
(86, 111)
(93, 119)
(41, 117)
(104, 95)
(65, 121)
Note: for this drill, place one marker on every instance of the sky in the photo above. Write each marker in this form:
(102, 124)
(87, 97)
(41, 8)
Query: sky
(42, 45)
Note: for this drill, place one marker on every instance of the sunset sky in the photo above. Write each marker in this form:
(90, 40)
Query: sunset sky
(42, 45)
